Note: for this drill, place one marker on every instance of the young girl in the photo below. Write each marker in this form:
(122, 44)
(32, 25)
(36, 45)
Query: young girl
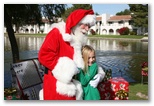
(88, 73)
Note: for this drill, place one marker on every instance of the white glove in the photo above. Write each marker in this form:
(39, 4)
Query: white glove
(97, 78)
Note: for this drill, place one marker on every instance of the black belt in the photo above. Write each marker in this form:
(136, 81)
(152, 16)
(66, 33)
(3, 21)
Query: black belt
(46, 70)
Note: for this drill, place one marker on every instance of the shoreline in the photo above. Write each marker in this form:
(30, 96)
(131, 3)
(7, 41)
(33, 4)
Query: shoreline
(114, 38)
(143, 39)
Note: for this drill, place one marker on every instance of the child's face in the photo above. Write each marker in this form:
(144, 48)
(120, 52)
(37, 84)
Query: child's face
(91, 58)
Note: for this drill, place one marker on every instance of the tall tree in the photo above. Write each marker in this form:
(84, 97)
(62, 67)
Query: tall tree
(74, 7)
(82, 6)
(125, 12)
(139, 15)
(21, 14)
(14, 46)
(52, 11)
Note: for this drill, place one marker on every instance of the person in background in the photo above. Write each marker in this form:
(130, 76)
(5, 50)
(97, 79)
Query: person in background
(88, 74)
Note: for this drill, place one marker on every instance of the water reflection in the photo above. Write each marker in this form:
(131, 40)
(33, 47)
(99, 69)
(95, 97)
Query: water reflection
(25, 43)
(123, 57)
(118, 45)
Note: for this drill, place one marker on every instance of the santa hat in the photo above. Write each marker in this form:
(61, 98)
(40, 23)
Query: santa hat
(79, 16)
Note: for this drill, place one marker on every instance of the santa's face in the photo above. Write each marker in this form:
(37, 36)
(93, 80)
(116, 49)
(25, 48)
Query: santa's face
(80, 33)
(84, 28)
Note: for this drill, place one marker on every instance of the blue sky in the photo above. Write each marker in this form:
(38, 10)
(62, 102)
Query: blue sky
(109, 8)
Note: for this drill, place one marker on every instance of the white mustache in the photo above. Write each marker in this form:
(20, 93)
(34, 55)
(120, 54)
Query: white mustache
(85, 32)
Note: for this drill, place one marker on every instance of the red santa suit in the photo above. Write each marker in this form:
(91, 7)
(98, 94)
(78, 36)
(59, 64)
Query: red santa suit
(62, 56)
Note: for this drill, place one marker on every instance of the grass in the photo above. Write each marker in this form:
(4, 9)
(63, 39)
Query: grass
(118, 36)
(92, 36)
(135, 88)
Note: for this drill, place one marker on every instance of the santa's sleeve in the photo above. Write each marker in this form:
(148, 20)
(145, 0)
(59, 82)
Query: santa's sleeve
(63, 68)
(48, 54)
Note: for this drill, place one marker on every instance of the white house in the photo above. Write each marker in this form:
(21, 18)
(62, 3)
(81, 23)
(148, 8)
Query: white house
(106, 24)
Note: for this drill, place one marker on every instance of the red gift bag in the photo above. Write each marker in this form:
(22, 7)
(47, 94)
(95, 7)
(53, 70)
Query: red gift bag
(116, 88)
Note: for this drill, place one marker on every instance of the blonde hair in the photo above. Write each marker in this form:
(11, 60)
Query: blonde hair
(86, 50)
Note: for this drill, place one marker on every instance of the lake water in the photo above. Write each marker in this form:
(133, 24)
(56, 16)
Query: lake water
(123, 57)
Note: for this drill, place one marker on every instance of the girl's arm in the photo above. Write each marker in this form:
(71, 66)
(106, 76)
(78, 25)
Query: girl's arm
(85, 78)
(98, 77)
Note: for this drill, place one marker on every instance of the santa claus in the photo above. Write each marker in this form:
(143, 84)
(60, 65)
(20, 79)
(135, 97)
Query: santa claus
(61, 54)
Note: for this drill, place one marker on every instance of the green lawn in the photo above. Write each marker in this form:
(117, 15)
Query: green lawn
(118, 36)
(135, 88)
(99, 36)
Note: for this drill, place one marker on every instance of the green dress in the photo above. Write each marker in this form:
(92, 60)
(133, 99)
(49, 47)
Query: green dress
(89, 93)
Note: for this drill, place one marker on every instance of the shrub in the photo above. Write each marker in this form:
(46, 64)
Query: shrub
(124, 31)
(132, 33)
(92, 32)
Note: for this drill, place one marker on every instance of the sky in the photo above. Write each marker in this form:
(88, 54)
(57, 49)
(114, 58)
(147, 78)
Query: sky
(111, 9)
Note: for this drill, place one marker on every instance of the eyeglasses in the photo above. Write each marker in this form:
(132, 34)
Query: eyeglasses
(85, 25)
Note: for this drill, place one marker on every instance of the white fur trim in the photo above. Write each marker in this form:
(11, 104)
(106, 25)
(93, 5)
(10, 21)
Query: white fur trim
(68, 89)
(89, 19)
(65, 69)
(67, 37)
(41, 94)
(79, 90)
(60, 26)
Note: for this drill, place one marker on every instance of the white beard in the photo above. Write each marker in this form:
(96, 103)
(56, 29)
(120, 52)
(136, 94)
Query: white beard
(80, 36)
